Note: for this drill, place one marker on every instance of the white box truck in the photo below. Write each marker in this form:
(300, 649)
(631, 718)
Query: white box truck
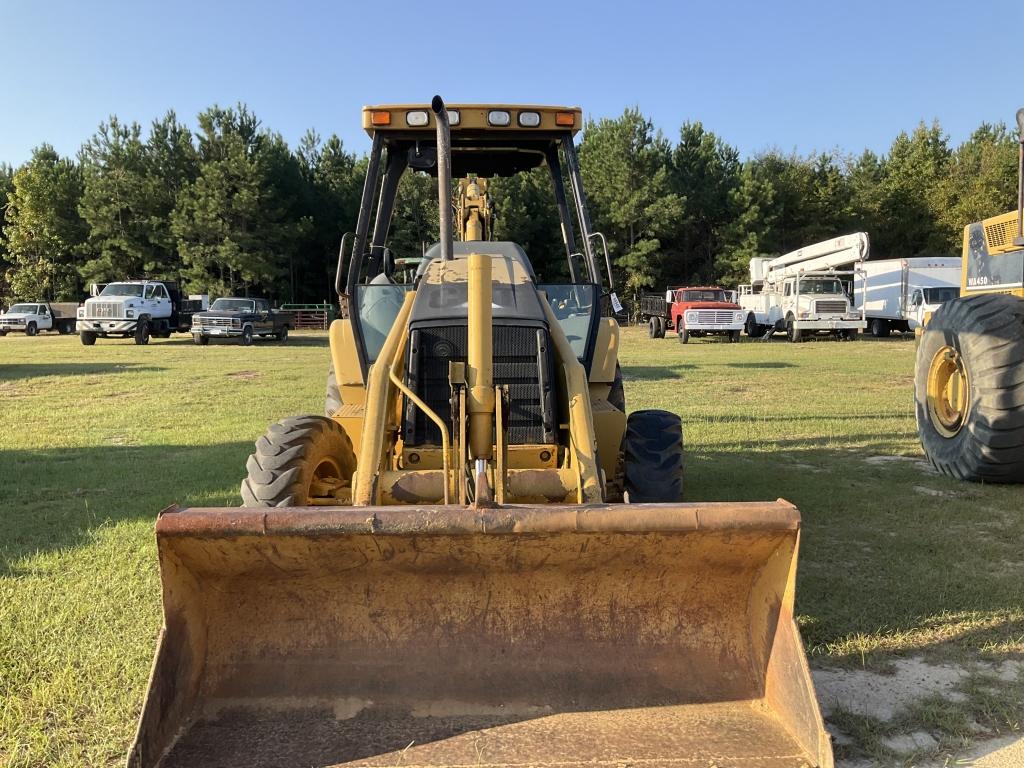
(895, 294)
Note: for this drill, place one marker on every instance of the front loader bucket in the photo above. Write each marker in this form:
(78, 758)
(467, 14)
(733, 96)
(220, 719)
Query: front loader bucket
(605, 635)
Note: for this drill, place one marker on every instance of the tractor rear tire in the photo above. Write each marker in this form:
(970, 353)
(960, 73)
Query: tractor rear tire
(969, 389)
(294, 454)
(653, 457)
(332, 402)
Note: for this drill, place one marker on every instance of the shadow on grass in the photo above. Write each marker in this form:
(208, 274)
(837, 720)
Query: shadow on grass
(35, 370)
(293, 341)
(647, 372)
(57, 498)
(892, 558)
(764, 364)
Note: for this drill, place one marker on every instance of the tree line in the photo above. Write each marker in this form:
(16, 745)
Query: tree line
(229, 207)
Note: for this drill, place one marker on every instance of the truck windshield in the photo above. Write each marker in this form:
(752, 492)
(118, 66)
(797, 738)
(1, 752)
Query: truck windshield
(814, 286)
(123, 289)
(703, 296)
(233, 305)
(940, 295)
(25, 309)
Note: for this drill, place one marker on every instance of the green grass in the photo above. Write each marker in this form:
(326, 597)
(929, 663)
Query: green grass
(94, 441)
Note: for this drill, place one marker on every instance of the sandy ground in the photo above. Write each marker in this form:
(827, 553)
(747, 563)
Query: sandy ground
(884, 696)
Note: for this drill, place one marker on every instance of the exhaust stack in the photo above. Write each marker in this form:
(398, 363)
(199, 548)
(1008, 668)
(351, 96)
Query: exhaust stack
(444, 175)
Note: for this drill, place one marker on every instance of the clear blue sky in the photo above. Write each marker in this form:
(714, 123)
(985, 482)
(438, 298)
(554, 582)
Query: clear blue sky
(796, 75)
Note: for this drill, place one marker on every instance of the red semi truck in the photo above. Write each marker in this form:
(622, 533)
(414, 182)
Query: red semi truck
(692, 311)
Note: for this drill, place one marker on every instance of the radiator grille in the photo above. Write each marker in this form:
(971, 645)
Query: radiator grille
(834, 307)
(105, 309)
(212, 322)
(517, 364)
(1001, 235)
(715, 316)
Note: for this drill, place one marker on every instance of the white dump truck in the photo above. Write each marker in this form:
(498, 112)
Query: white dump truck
(31, 317)
(895, 294)
(135, 309)
(804, 293)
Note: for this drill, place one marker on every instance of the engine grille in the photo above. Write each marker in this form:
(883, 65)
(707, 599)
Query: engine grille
(522, 361)
(212, 322)
(830, 307)
(715, 316)
(104, 309)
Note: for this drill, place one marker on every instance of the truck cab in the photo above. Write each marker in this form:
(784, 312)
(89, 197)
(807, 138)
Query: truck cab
(34, 316)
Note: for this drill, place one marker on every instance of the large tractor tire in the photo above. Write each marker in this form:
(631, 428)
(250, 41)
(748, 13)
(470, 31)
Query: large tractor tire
(299, 461)
(332, 401)
(969, 389)
(653, 457)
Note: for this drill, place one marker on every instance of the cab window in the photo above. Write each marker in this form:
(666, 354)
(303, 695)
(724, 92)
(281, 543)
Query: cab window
(160, 292)
(150, 292)
(576, 308)
(261, 305)
(788, 289)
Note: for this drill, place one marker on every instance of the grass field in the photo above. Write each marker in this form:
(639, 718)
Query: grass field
(94, 441)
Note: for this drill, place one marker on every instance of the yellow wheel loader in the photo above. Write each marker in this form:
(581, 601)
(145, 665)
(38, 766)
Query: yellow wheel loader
(476, 558)
(969, 376)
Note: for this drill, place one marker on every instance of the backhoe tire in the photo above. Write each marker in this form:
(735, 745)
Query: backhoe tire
(617, 395)
(88, 338)
(142, 333)
(653, 457)
(332, 402)
(969, 389)
(293, 454)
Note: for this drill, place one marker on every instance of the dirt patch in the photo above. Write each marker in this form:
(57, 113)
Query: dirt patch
(245, 375)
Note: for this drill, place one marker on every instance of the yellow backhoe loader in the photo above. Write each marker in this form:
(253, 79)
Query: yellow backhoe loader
(475, 558)
(969, 377)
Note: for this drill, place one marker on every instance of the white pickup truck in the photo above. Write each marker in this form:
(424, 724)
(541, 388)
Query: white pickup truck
(34, 316)
(135, 309)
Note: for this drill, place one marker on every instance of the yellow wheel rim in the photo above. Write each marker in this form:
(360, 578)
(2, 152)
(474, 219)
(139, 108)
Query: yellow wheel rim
(948, 391)
(324, 482)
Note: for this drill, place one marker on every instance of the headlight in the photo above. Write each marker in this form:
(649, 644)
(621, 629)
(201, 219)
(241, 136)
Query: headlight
(529, 119)
(417, 118)
(804, 315)
(499, 118)
(691, 317)
(236, 322)
(81, 311)
(129, 313)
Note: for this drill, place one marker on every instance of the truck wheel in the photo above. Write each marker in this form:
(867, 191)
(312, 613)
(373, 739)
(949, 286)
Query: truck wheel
(247, 336)
(652, 328)
(332, 401)
(3, 333)
(752, 328)
(968, 396)
(662, 325)
(201, 339)
(734, 337)
(653, 457)
(142, 333)
(880, 328)
(88, 338)
(282, 335)
(31, 329)
(793, 333)
(684, 336)
(298, 461)
(64, 328)
(852, 334)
